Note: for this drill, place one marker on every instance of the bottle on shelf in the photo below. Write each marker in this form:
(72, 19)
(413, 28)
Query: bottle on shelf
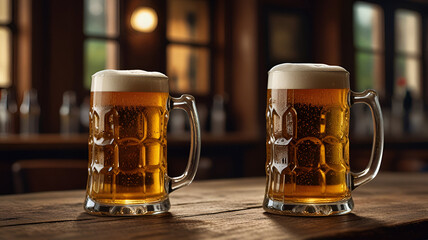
(397, 109)
(84, 113)
(29, 113)
(8, 110)
(177, 122)
(218, 116)
(69, 114)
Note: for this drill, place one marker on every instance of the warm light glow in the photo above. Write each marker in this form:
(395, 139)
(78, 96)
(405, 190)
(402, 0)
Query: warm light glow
(144, 19)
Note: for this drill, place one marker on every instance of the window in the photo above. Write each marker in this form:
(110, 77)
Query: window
(5, 43)
(188, 49)
(101, 29)
(404, 41)
(407, 57)
(389, 57)
(369, 47)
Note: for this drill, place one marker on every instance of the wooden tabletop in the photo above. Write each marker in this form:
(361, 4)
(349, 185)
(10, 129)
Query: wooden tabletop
(392, 206)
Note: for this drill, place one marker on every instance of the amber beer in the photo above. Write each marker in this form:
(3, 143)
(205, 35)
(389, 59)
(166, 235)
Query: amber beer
(307, 140)
(307, 145)
(127, 170)
(127, 146)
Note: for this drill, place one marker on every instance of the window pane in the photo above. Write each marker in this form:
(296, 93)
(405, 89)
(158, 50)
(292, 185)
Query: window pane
(101, 17)
(188, 69)
(368, 26)
(369, 71)
(5, 11)
(5, 58)
(99, 55)
(408, 75)
(188, 20)
(408, 32)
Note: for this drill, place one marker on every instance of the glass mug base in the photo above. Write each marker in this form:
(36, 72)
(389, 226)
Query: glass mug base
(96, 208)
(308, 209)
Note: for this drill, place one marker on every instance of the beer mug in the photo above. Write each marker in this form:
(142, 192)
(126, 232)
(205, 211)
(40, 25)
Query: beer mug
(307, 143)
(128, 143)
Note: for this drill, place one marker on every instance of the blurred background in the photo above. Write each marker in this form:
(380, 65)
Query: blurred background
(217, 50)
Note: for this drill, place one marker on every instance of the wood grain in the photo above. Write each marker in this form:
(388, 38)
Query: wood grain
(393, 206)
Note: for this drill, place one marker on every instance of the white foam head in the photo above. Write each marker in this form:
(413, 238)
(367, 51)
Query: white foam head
(307, 76)
(129, 81)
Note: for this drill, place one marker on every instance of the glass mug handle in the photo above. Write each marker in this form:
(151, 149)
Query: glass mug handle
(187, 103)
(370, 98)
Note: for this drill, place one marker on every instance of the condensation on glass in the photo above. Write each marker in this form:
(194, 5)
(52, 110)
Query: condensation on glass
(307, 142)
(101, 28)
(407, 58)
(127, 171)
(369, 44)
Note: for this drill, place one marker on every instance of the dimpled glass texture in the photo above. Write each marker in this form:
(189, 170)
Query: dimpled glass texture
(307, 145)
(127, 147)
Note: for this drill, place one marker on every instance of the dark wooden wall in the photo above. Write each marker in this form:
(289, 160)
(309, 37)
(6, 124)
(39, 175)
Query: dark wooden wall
(143, 50)
(57, 51)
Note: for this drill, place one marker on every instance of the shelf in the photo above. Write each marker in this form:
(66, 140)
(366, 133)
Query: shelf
(79, 141)
(394, 142)
(43, 141)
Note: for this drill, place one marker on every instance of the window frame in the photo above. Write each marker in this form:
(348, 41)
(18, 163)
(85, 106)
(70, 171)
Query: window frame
(389, 9)
(380, 52)
(103, 37)
(403, 54)
(209, 46)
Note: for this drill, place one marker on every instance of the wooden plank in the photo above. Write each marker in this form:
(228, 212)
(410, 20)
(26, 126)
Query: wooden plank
(392, 206)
